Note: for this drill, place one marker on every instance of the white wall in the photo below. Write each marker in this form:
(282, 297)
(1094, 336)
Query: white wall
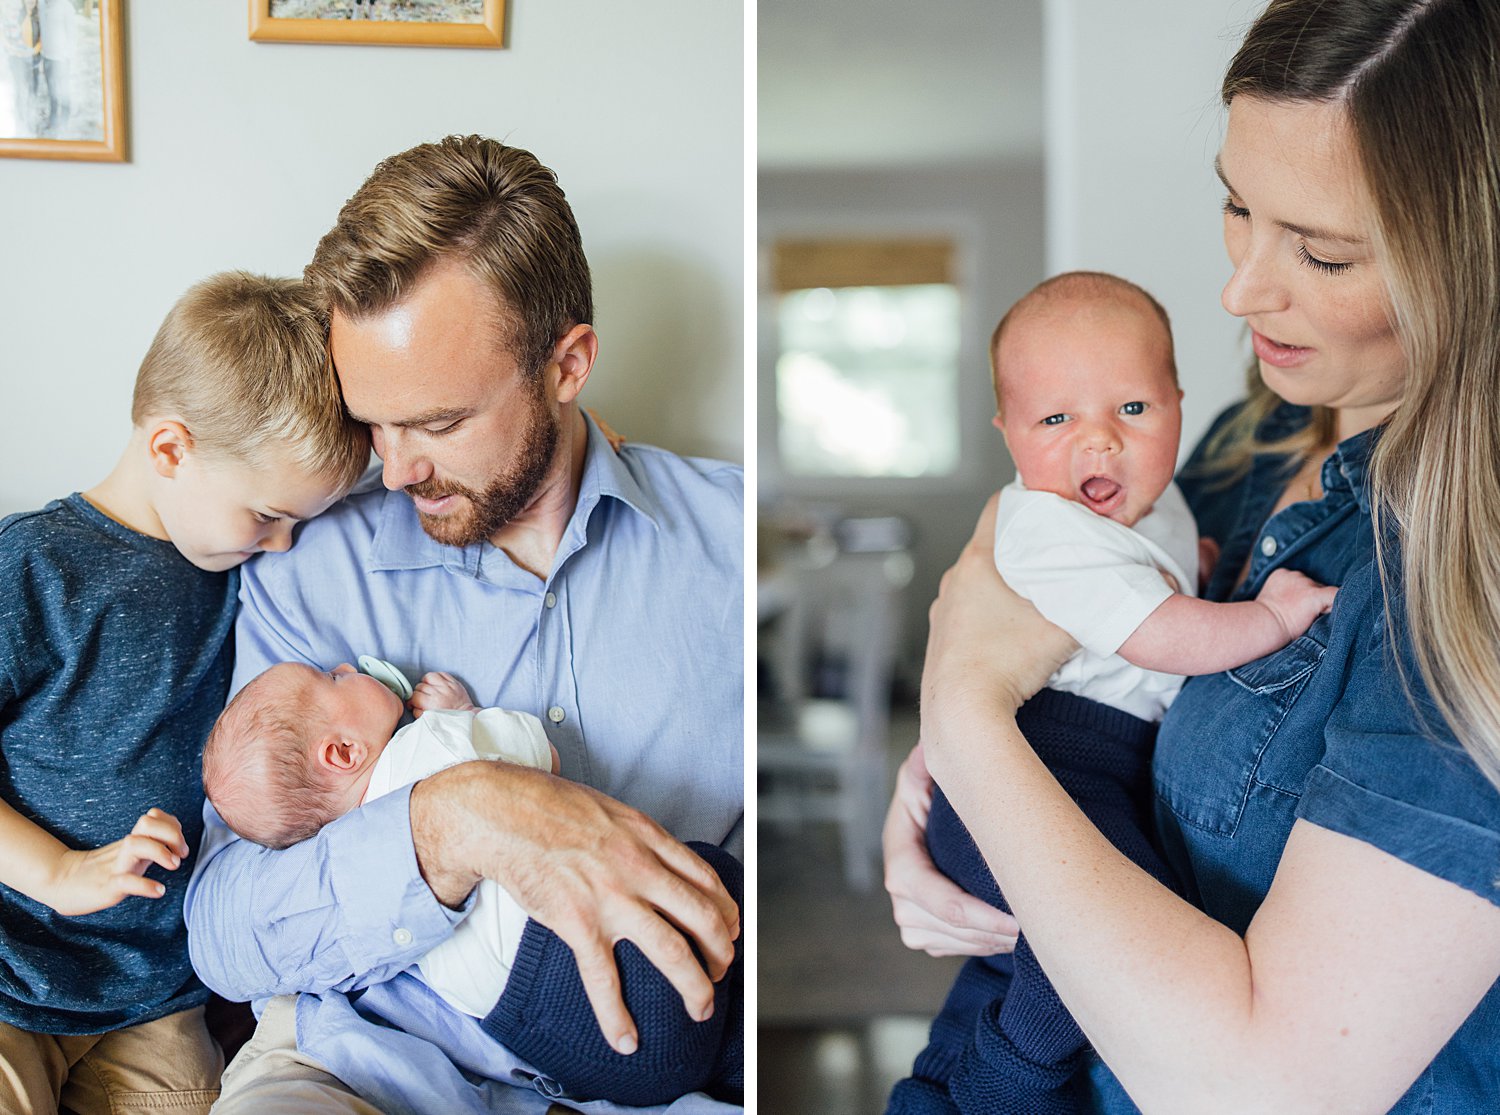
(1133, 124)
(241, 154)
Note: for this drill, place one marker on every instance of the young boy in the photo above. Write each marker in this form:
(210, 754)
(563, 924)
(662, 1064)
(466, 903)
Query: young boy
(299, 747)
(114, 663)
(1096, 535)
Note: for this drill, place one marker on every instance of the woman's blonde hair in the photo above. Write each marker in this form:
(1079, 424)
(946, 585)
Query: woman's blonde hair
(241, 359)
(1421, 82)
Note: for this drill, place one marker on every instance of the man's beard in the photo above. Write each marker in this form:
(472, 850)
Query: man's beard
(485, 512)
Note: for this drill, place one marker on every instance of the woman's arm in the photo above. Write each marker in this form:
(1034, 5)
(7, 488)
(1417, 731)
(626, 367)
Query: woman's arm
(1326, 1004)
(934, 915)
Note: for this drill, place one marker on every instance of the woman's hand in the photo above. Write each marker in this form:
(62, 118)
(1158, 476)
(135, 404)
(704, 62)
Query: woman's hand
(933, 914)
(987, 649)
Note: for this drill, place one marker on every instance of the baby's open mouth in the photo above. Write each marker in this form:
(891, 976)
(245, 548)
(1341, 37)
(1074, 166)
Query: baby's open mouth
(1100, 491)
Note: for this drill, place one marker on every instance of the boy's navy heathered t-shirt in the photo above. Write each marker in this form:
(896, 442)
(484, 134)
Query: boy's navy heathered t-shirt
(114, 662)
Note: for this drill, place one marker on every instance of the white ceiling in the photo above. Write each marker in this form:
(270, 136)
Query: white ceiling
(897, 83)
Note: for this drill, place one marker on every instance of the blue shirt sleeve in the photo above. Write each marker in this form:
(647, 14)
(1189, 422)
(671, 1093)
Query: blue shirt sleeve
(1392, 772)
(340, 911)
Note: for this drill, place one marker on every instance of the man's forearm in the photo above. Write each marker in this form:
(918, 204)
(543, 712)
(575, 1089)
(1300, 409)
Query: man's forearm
(340, 911)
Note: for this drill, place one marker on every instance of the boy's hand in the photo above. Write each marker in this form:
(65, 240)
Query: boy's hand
(1295, 599)
(86, 882)
(437, 690)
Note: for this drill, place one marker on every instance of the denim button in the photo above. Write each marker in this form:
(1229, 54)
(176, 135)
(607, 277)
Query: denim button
(1268, 546)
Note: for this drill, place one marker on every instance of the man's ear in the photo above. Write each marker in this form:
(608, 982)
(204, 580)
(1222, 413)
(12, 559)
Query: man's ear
(573, 359)
(342, 756)
(169, 443)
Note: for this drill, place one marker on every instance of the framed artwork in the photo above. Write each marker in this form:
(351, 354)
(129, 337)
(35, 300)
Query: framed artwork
(389, 22)
(62, 80)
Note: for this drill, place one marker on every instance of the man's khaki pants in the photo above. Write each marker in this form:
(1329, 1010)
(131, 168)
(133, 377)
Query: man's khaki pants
(270, 1077)
(170, 1064)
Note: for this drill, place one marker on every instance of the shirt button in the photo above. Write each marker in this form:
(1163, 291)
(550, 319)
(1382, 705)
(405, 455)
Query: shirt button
(402, 937)
(556, 714)
(550, 600)
(1268, 546)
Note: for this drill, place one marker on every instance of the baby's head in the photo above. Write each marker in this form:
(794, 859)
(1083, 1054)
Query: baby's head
(295, 749)
(239, 415)
(1086, 393)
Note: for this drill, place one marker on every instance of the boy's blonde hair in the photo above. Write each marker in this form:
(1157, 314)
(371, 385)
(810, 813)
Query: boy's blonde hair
(242, 360)
(259, 770)
(1072, 286)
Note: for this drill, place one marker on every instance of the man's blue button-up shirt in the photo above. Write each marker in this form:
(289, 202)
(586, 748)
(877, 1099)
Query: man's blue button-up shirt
(630, 651)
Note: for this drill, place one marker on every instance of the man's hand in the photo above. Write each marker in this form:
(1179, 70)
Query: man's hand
(438, 690)
(86, 882)
(933, 914)
(591, 869)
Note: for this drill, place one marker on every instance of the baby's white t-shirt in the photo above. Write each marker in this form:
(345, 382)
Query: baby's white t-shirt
(470, 968)
(1098, 580)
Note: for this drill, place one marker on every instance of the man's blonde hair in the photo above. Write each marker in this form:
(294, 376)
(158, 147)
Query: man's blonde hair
(494, 208)
(242, 360)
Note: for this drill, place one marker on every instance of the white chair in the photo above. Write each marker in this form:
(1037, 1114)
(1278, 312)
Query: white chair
(824, 758)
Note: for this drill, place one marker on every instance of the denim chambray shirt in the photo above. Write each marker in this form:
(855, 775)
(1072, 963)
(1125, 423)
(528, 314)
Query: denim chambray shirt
(1321, 730)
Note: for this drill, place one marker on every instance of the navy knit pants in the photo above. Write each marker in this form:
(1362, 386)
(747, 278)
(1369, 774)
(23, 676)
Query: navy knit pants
(1004, 1043)
(544, 1016)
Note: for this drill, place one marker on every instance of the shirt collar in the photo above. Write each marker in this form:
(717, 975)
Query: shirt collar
(1346, 467)
(401, 543)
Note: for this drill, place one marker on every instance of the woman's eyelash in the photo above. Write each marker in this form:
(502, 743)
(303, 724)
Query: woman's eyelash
(1320, 264)
(1240, 213)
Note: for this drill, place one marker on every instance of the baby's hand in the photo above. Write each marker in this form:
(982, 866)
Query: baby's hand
(437, 690)
(86, 882)
(1295, 600)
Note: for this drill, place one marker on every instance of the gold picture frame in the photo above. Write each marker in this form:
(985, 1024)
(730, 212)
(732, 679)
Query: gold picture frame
(53, 104)
(486, 32)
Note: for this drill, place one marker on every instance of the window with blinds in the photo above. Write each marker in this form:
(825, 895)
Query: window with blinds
(867, 368)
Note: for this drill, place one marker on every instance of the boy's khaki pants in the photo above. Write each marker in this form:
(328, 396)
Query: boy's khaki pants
(170, 1064)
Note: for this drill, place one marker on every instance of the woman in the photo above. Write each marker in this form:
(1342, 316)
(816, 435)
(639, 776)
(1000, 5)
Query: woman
(1334, 806)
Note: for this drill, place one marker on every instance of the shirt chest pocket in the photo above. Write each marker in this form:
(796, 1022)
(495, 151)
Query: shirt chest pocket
(1221, 736)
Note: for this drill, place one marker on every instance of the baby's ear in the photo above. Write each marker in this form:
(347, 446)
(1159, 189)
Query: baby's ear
(342, 756)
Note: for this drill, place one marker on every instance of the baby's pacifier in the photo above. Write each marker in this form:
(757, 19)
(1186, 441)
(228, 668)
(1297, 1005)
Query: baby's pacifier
(388, 676)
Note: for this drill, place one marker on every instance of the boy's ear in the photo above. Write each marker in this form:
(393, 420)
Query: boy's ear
(342, 756)
(573, 358)
(169, 443)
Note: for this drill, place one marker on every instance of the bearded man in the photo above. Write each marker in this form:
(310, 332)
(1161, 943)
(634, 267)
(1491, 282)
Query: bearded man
(514, 547)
